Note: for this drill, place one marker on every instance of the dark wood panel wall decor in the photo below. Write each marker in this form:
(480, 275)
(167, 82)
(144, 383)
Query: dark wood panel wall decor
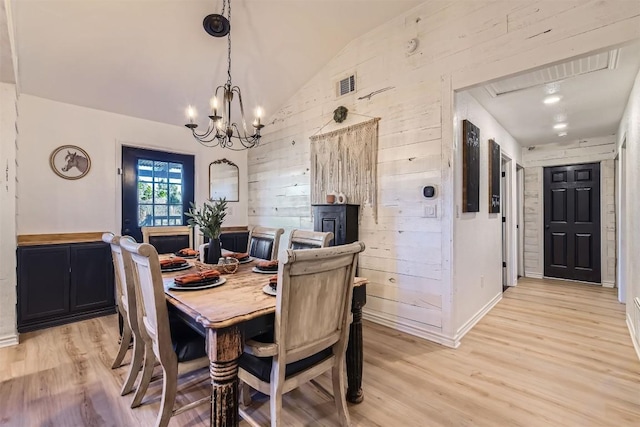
(494, 176)
(470, 167)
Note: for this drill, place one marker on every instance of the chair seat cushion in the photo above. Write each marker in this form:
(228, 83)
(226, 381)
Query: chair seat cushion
(187, 343)
(260, 367)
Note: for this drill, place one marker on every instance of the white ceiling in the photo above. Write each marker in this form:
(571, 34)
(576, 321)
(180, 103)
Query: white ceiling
(592, 102)
(152, 58)
(6, 62)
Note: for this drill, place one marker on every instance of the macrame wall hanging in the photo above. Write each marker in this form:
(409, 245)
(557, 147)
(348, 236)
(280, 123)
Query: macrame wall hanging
(345, 161)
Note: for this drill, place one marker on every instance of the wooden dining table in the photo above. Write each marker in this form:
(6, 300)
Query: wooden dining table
(237, 310)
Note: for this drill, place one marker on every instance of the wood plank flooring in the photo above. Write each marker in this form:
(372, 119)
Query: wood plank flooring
(550, 353)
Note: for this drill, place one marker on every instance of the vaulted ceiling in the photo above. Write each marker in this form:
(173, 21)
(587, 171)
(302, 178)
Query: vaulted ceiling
(152, 58)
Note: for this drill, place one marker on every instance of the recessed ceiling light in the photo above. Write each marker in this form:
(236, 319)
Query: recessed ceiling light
(560, 126)
(562, 134)
(551, 99)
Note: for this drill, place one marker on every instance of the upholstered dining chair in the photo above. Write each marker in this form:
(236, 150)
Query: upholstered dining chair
(313, 314)
(264, 242)
(126, 301)
(168, 239)
(305, 239)
(177, 347)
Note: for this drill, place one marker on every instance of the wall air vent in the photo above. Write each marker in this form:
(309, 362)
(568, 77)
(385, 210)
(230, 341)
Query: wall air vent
(346, 85)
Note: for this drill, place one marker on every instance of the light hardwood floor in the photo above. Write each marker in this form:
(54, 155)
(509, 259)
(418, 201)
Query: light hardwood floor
(549, 354)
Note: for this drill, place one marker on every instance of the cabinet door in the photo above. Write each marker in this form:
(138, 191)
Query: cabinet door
(331, 218)
(92, 285)
(43, 282)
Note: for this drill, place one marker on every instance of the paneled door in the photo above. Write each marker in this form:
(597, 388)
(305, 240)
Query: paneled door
(156, 189)
(572, 222)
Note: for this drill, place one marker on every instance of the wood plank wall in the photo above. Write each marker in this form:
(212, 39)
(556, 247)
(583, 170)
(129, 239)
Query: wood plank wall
(467, 40)
(601, 150)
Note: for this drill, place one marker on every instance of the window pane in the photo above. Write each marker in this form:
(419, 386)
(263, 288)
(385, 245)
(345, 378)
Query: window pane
(145, 192)
(160, 193)
(175, 193)
(160, 170)
(160, 211)
(175, 210)
(145, 215)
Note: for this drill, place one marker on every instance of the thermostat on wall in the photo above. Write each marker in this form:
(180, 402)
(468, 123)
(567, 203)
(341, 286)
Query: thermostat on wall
(429, 191)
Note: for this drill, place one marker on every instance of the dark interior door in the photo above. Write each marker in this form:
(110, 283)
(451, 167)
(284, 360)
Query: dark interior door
(156, 189)
(572, 222)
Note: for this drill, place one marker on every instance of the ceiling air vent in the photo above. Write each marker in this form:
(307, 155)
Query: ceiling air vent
(347, 85)
(598, 62)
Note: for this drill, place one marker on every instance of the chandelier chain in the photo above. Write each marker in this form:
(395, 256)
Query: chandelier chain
(228, 46)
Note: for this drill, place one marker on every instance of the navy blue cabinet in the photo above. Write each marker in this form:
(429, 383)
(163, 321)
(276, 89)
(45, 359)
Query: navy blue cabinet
(63, 283)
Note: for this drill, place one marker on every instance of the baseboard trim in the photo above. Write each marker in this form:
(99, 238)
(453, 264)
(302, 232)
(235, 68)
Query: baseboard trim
(399, 325)
(633, 333)
(533, 275)
(476, 318)
(9, 340)
(608, 284)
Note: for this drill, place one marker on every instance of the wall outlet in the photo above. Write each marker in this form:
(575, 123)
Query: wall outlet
(229, 210)
(430, 211)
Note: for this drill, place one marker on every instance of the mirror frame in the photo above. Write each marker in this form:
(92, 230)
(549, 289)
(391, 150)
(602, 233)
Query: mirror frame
(230, 163)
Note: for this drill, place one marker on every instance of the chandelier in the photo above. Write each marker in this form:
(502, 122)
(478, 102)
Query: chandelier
(222, 131)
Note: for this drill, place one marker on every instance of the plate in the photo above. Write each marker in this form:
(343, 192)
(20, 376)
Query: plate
(177, 287)
(267, 290)
(187, 256)
(257, 270)
(179, 268)
(248, 260)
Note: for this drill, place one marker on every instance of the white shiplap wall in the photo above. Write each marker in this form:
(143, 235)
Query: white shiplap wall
(8, 166)
(591, 150)
(408, 256)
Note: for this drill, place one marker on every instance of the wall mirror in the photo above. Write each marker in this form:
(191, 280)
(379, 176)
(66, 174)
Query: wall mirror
(224, 177)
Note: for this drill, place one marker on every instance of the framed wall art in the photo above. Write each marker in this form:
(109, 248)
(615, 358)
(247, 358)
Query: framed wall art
(70, 162)
(470, 167)
(494, 176)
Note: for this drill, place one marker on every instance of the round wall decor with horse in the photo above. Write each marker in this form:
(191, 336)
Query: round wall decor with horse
(70, 162)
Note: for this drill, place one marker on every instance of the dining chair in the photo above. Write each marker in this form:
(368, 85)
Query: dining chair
(313, 313)
(264, 242)
(126, 302)
(305, 239)
(177, 347)
(168, 239)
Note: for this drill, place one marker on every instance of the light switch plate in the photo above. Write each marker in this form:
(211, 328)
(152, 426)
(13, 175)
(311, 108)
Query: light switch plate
(430, 211)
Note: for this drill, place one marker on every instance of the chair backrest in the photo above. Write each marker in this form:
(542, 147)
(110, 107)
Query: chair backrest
(313, 304)
(125, 287)
(168, 239)
(305, 239)
(264, 242)
(152, 305)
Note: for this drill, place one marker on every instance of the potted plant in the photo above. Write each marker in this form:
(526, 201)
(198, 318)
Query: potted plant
(209, 220)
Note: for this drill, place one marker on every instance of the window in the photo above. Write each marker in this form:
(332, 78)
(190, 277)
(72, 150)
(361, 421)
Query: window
(160, 189)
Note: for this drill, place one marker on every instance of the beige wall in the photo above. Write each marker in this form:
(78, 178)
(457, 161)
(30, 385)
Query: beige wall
(409, 258)
(50, 204)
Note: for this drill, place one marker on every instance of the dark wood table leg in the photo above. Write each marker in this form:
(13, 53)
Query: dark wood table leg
(224, 347)
(354, 348)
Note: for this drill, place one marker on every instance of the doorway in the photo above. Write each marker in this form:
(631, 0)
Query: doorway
(507, 221)
(157, 188)
(572, 222)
